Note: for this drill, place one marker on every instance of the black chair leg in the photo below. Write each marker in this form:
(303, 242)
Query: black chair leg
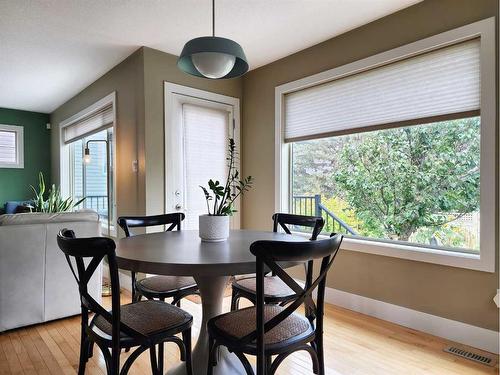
(115, 361)
(84, 347)
(154, 363)
(91, 349)
(234, 300)
(320, 354)
(211, 361)
(161, 353)
(132, 276)
(83, 356)
(269, 361)
(186, 337)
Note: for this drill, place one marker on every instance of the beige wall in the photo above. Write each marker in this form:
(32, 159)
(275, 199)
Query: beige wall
(453, 293)
(128, 82)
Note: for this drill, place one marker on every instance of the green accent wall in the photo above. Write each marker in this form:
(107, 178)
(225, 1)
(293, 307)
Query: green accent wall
(14, 183)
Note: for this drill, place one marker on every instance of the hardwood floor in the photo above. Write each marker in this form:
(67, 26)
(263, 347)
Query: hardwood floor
(355, 344)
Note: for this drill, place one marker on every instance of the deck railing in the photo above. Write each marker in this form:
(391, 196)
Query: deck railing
(98, 203)
(311, 205)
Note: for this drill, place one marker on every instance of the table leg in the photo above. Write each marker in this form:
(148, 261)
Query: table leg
(212, 290)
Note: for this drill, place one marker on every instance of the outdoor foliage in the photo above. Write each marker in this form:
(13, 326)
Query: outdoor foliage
(402, 184)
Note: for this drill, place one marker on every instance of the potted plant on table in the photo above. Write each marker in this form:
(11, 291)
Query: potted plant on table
(214, 226)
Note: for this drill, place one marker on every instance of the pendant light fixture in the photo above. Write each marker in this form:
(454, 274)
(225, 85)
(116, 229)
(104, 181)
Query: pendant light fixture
(213, 57)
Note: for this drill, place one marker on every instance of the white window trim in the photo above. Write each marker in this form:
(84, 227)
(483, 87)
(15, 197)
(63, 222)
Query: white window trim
(64, 165)
(175, 95)
(484, 29)
(19, 130)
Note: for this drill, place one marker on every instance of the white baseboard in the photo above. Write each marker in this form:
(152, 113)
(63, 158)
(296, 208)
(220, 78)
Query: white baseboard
(453, 330)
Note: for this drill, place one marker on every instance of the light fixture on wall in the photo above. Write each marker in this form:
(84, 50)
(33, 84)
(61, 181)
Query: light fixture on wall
(106, 285)
(213, 57)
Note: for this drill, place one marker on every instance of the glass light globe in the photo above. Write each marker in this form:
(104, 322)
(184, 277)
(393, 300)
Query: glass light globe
(213, 64)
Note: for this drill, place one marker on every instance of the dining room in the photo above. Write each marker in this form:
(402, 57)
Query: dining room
(249, 187)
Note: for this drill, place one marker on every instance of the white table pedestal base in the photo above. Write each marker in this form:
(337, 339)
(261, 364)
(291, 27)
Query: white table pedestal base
(212, 290)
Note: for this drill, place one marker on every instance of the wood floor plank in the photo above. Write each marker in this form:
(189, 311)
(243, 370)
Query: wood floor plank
(355, 344)
(12, 360)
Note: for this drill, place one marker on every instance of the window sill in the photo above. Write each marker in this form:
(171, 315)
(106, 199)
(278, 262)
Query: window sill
(421, 254)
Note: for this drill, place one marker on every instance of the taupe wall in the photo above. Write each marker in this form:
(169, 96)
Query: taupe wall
(453, 293)
(158, 68)
(127, 80)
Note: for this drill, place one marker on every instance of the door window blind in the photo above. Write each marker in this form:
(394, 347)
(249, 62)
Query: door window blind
(206, 131)
(95, 122)
(438, 83)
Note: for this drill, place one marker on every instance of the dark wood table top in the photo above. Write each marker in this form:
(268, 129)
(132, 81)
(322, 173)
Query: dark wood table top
(182, 253)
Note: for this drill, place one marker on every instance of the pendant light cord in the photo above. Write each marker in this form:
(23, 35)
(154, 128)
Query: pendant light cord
(213, 17)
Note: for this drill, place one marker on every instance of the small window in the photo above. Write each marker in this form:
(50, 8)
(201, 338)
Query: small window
(11, 146)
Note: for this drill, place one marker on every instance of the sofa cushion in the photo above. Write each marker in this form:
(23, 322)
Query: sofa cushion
(10, 207)
(42, 218)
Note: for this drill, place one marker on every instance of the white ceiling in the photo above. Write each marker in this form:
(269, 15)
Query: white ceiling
(51, 49)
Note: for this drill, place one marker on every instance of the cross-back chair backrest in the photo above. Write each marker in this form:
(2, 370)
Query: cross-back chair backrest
(284, 220)
(173, 220)
(92, 251)
(269, 254)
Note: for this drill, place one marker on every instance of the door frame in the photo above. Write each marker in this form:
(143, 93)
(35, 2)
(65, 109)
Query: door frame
(173, 95)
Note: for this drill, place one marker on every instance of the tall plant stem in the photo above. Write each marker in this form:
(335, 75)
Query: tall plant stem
(227, 190)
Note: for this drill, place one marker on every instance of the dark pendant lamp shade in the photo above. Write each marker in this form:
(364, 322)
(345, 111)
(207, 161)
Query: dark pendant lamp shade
(214, 45)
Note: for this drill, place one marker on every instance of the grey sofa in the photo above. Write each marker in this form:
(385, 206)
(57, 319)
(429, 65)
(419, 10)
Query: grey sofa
(36, 284)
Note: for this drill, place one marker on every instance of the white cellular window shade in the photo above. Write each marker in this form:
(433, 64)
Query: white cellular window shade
(205, 133)
(11, 146)
(95, 122)
(438, 83)
(8, 153)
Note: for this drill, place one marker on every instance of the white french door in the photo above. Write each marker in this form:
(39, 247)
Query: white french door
(198, 127)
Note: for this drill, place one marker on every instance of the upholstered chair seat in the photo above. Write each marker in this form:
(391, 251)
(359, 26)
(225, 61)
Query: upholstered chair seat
(149, 317)
(273, 287)
(157, 284)
(237, 324)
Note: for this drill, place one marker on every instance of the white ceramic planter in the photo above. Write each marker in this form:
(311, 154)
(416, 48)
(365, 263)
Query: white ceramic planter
(214, 228)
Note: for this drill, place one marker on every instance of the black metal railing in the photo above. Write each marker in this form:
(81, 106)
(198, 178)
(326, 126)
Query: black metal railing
(311, 205)
(98, 203)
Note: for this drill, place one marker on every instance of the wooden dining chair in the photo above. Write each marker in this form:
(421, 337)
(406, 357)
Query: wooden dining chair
(159, 287)
(275, 290)
(267, 330)
(143, 325)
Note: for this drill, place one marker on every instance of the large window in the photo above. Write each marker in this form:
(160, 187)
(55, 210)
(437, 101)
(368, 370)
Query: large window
(397, 151)
(11, 146)
(87, 160)
(417, 184)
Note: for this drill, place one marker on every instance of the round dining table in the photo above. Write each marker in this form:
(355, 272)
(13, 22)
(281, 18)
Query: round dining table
(182, 253)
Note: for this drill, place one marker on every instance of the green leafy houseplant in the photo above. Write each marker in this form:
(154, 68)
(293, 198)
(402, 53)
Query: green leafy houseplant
(224, 196)
(54, 201)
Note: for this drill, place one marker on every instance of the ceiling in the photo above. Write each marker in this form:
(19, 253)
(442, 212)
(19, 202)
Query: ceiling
(52, 49)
